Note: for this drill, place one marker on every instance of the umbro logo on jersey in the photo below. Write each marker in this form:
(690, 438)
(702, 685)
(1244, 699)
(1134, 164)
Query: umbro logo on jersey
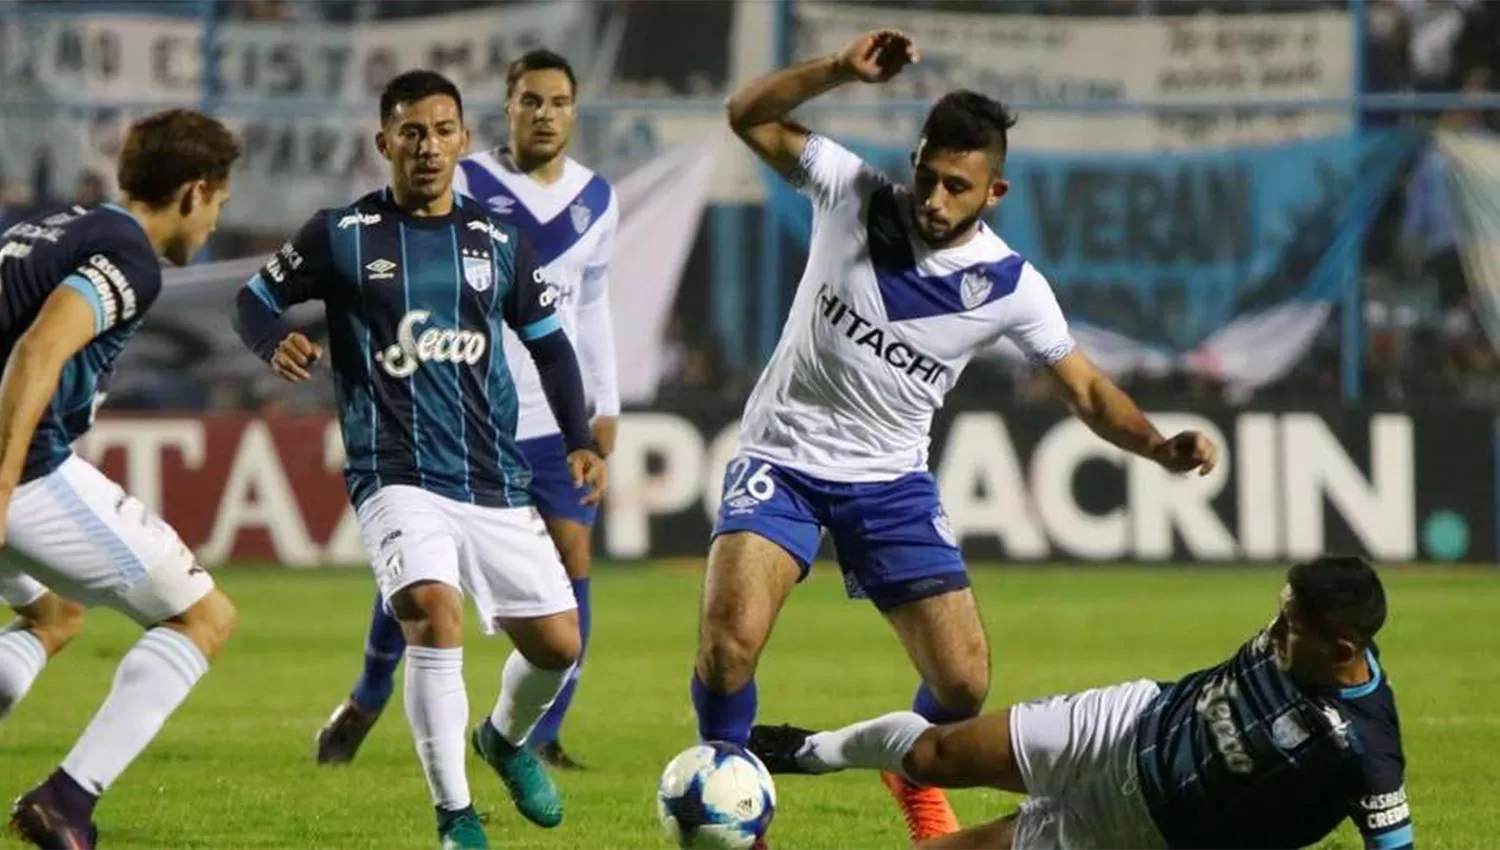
(381, 269)
(501, 204)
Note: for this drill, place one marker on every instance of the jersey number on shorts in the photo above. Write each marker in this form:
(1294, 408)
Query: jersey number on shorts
(744, 488)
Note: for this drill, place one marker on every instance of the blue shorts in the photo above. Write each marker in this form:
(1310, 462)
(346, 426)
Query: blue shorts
(892, 537)
(552, 489)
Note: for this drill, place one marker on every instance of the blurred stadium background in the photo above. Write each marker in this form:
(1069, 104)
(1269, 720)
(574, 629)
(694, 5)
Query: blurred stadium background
(1277, 215)
(1277, 220)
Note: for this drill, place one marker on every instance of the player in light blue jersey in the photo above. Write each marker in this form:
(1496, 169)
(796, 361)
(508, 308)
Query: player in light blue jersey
(568, 214)
(74, 287)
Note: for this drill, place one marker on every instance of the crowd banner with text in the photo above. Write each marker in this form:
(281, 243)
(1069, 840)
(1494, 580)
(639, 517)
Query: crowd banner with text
(1218, 59)
(1033, 486)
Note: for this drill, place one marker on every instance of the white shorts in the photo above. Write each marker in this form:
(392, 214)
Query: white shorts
(77, 533)
(1076, 754)
(502, 557)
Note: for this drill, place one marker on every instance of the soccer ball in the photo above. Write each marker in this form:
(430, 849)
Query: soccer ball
(715, 796)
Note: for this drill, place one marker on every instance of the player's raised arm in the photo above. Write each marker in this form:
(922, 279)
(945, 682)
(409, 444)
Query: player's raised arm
(294, 274)
(758, 113)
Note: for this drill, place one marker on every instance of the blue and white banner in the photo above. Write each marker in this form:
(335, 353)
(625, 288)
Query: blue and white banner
(1222, 263)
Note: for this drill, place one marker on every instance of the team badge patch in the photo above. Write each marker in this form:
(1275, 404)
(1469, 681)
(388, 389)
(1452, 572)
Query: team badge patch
(582, 215)
(478, 273)
(975, 288)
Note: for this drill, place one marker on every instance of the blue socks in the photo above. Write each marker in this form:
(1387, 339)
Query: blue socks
(925, 704)
(547, 728)
(724, 717)
(383, 650)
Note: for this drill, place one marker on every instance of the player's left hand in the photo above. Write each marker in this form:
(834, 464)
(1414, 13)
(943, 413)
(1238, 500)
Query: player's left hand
(1187, 451)
(588, 469)
(605, 429)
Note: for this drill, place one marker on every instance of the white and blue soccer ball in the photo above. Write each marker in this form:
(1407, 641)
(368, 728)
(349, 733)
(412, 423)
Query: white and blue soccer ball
(716, 796)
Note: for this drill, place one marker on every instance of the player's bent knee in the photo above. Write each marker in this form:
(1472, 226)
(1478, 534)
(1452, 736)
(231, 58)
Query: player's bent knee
(431, 614)
(726, 659)
(963, 693)
(551, 643)
(54, 620)
(208, 623)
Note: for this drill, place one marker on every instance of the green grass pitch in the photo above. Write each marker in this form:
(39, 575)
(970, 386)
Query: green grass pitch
(233, 768)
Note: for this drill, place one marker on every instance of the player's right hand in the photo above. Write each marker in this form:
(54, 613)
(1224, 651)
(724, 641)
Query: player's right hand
(588, 470)
(878, 55)
(294, 356)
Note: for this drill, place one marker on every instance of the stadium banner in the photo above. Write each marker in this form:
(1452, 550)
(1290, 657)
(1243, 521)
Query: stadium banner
(1224, 264)
(1028, 486)
(309, 93)
(1232, 59)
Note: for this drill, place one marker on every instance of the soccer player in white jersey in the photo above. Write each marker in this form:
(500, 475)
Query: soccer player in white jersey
(569, 214)
(903, 286)
(74, 287)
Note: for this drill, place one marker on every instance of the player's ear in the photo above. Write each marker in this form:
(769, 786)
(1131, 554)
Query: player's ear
(467, 136)
(382, 145)
(998, 189)
(1345, 650)
(188, 200)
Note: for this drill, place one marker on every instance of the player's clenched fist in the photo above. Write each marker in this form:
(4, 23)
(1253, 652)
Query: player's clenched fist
(879, 55)
(294, 356)
(588, 471)
(1188, 451)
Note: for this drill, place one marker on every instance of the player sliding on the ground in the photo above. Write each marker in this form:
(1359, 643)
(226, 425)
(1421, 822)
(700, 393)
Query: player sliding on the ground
(568, 214)
(74, 287)
(902, 287)
(1272, 748)
(417, 282)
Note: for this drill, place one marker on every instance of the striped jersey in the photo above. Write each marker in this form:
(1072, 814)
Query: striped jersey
(103, 253)
(1241, 755)
(416, 308)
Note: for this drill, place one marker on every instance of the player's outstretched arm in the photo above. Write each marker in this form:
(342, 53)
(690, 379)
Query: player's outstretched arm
(758, 113)
(1111, 414)
(65, 325)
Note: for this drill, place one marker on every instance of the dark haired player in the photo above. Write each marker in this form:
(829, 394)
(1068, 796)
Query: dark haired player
(568, 214)
(418, 282)
(74, 287)
(1272, 748)
(903, 286)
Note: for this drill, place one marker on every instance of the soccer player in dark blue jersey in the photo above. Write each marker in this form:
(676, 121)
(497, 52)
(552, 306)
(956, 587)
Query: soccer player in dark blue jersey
(417, 283)
(74, 287)
(568, 214)
(1272, 748)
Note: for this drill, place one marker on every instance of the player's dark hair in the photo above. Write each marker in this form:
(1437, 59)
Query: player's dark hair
(412, 86)
(168, 149)
(1340, 593)
(966, 120)
(540, 59)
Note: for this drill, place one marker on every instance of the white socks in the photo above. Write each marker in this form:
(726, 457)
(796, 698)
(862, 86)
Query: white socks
(879, 744)
(526, 692)
(437, 707)
(153, 678)
(22, 657)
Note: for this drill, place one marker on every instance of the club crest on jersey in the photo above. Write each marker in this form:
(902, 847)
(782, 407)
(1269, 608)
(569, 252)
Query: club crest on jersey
(974, 288)
(479, 273)
(581, 215)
